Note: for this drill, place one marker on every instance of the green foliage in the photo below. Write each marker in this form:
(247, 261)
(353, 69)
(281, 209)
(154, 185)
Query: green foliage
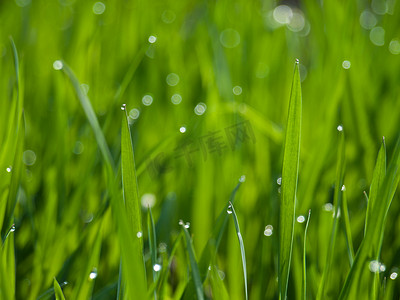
(210, 98)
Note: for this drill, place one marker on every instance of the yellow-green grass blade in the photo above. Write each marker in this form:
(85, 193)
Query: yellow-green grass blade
(7, 266)
(58, 291)
(290, 170)
(90, 115)
(360, 281)
(198, 283)
(217, 284)
(304, 294)
(231, 210)
(337, 203)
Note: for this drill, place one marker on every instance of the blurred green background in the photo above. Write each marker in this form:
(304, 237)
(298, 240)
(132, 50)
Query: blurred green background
(207, 85)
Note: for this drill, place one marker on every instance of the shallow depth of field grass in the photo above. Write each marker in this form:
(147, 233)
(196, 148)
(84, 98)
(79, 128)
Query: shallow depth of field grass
(230, 172)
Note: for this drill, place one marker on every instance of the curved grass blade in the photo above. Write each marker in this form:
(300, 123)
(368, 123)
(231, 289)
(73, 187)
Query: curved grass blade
(198, 283)
(360, 280)
(58, 291)
(152, 246)
(231, 210)
(91, 116)
(304, 258)
(337, 203)
(210, 250)
(11, 152)
(7, 267)
(290, 172)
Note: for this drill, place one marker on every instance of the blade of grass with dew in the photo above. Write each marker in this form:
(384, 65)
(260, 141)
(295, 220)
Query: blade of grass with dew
(290, 172)
(347, 228)
(304, 258)
(337, 203)
(360, 280)
(85, 283)
(231, 210)
(211, 248)
(58, 291)
(7, 266)
(129, 179)
(131, 199)
(198, 283)
(217, 284)
(90, 115)
(152, 246)
(12, 151)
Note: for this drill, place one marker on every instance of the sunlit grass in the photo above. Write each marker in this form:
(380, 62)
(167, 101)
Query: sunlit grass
(210, 99)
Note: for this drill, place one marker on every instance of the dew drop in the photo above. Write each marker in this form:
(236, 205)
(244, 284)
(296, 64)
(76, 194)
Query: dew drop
(134, 114)
(229, 210)
(297, 61)
(123, 106)
(139, 234)
(237, 90)
(9, 169)
(181, 223)
(12, 229)
(176, 99)
(182, 129)
(393, 276)
(279, 181)
(157, 267)
(99, 8)
(328, 207)
(301, 219)
(346, 64)
(57, 65)
(200, 109)
(148, 200)
(268, 230)
(242, 178)
(93, 274)
(339, 128)
(29, 157)
(152, 39)
(172, 79)
(187, 225)
(343, 188)
(147, 100)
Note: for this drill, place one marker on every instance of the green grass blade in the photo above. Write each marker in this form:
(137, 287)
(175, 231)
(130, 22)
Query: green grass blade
(152, 245)
(349, 239)
(360, 280)
(337, 203)
(231, 210)
(304, 258)
(198, 283)
(129, 179)
(7, 266)
(377, 180)
(132, 207)
(91, 115)
(290, 172)
(58, 291)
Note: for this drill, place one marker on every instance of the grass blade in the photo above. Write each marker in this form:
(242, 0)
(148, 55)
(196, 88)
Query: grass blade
(304, 258)
(7, 266)
(91, 116)
(152, 245)
(290, 172)
(198, 283)
(349, 239)
(337, 203)
(360, 280)
(58, 291)
(377, 180)
(132, 210)
(231, 210)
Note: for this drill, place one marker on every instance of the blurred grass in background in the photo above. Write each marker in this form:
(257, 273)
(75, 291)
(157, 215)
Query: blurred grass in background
(206, 86)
